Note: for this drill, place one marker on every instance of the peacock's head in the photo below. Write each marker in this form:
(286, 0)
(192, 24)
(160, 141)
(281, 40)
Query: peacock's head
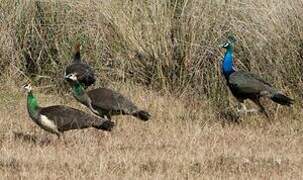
(71, 77)
(27, 88)
(226, 45)
(229, 43)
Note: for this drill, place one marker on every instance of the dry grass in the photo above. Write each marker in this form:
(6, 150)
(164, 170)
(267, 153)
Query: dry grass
(183, 140)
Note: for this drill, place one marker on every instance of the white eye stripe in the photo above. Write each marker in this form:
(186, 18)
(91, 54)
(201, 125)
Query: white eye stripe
(28, 87)
(72, 76)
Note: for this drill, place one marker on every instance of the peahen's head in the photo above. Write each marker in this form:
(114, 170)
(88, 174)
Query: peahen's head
(71, 77)
(27, 88)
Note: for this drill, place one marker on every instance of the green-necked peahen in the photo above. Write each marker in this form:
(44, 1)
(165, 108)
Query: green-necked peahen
(246, 85)
(85, 74)
(105, 102)
(59, 118)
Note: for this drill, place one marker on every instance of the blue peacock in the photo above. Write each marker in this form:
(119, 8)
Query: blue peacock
(245, 85)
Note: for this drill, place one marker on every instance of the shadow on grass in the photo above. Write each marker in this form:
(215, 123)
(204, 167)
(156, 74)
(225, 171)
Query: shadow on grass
(30, 139)
(228, 117)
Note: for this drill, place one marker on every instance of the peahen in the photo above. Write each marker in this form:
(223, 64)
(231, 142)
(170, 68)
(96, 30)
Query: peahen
(85, 73)
(246, 85)
(105, 102)
(57, 119)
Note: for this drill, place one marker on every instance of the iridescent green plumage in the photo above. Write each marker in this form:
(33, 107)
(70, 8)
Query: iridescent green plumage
(32, 105)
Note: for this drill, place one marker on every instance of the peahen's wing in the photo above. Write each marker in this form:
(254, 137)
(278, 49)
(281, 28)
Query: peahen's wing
(67, 118)
(110, 100)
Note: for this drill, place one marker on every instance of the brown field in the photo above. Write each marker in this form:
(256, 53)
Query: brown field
(164, 55)
(183, 140)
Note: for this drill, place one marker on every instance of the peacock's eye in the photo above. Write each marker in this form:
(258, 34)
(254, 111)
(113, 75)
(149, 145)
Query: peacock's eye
(226, 45)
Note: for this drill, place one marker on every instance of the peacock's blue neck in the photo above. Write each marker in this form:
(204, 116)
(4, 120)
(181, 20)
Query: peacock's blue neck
(227, 64)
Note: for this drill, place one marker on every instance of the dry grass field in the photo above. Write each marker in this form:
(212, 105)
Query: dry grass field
(183, 140)
(164, 55)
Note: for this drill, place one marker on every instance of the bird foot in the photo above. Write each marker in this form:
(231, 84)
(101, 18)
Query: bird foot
(252, 110)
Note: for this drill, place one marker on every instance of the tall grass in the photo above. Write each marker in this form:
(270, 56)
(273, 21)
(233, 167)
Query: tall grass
(170, 44)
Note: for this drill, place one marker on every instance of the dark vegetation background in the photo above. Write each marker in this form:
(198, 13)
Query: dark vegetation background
(167, 45)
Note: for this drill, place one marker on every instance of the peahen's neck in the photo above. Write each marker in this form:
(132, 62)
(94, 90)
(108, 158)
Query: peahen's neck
(227, 64)
(32, 105)
(79, 93)
(77, 57)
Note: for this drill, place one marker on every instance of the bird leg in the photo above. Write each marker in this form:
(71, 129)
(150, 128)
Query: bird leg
(253, 110)
(261, 107)
(242, 109)
(62, 139)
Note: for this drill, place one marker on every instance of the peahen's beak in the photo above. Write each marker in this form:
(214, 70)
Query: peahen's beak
(66, 77)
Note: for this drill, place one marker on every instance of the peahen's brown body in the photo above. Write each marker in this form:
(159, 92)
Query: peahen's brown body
(57, 119)
(106, 102)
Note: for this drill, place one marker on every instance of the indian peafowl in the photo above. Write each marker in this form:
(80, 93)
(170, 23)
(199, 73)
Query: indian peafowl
(59, 118)
(245, 85)
(105, 102)
(84, 72)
